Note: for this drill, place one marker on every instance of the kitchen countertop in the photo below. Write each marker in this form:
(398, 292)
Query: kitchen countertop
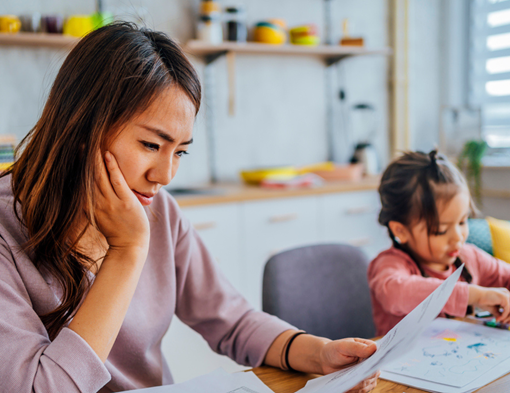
(238, 192)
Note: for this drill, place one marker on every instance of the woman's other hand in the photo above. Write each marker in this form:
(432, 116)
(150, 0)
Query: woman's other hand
(120, 217)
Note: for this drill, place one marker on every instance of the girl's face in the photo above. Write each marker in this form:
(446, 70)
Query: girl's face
(150, 146)
(440, 250)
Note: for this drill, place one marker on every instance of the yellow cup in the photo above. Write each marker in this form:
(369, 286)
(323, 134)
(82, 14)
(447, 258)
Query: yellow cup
(78, 25)
(9, 24)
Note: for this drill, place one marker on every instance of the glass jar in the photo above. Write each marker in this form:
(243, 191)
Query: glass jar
(209, 30)
(235, 24)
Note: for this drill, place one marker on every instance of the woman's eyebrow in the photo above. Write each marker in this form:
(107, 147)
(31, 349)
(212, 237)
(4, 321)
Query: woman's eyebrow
(163, 135)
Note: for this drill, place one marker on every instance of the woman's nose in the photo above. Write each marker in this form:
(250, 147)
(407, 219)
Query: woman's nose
(161, 173)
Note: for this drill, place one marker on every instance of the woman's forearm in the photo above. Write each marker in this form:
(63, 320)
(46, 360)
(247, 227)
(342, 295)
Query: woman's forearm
(102, 312)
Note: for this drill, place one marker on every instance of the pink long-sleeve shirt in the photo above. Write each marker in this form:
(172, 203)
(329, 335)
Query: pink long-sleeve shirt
(397, 286)
(179, 278)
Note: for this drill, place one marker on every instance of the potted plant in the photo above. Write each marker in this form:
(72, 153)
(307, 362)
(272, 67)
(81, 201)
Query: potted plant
(470, 161)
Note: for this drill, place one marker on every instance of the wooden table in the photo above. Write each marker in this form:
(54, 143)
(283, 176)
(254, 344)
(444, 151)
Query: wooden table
(289, 382)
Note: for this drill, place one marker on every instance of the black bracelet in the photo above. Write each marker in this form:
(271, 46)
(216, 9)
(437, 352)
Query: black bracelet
(288, 350)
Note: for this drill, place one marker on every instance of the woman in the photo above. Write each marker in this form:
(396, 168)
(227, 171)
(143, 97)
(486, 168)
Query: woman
(94, 261)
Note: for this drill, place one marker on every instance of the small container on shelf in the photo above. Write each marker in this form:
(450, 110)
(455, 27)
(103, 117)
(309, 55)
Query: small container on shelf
(209, 27)
(9, 24)
(347, 40)
(235, 24)
(209, 30)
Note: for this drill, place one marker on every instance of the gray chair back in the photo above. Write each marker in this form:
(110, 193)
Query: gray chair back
(322, 289)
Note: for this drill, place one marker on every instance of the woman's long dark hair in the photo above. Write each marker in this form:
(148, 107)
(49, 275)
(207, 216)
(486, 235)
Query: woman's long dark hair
(111, 75)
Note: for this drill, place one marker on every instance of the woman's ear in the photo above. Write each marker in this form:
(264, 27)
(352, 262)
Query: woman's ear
(400, 232)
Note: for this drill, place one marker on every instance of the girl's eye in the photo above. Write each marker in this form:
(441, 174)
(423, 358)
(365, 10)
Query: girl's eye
(151, 146)
(462, 223)
(181, 153)
(440, 233)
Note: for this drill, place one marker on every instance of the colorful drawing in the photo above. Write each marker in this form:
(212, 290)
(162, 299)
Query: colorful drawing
(454, 353)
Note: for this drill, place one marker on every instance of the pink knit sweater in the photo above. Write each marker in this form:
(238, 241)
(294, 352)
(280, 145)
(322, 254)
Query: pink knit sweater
(397, 286)
(179, 278)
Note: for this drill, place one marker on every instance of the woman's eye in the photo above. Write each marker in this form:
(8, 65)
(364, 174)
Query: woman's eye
(151, 146)
(181, 153)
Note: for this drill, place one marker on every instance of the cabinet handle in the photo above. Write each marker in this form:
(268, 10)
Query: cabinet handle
(202, 226)
(363, 241)
(283, 218)
(359, 210)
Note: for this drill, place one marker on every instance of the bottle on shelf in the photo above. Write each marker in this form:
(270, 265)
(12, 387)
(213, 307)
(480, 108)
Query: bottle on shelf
(235, 24)
(209, 27)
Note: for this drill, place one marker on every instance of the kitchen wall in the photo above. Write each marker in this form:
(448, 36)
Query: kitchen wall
(280, 117)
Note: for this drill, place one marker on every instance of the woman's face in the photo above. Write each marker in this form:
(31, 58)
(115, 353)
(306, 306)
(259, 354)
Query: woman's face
(149, 147)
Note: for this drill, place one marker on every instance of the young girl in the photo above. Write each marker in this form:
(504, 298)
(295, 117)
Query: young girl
(90, 276)
(425, 206)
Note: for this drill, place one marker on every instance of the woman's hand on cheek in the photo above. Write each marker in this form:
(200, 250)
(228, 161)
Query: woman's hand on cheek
(336, 355)
(118, 212)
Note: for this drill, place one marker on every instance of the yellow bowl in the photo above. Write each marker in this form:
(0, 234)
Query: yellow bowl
(78, 25)
(268, 35)
(257, 175)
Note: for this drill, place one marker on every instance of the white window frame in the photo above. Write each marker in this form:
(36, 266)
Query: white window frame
(495, 124)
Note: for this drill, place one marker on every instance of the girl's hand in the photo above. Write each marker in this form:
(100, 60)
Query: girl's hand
(494, 300)
(336, 355)
(118, 212)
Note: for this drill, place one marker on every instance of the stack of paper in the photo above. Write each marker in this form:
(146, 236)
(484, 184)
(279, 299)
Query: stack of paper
(453, 357)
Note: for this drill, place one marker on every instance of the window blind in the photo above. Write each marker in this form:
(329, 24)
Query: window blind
(490, 68)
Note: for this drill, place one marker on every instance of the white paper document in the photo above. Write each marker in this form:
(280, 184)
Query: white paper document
(453, 356)
(397, 342)
(218, 381)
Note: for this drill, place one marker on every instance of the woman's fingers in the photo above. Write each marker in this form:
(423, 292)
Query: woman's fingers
(341, 353)
(117, 180)
(101, 176)
(356, 347)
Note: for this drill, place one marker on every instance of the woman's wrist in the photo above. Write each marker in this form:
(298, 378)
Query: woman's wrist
(133, 254)
(306, 353)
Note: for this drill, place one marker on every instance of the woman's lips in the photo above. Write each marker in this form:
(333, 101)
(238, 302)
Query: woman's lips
(144, 199)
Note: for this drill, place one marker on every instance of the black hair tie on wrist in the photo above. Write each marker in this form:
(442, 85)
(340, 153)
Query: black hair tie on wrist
(287, 350)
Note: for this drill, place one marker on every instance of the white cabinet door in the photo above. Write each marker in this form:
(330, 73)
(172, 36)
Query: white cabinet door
(351, 218)
(219, 228)
(270, 227)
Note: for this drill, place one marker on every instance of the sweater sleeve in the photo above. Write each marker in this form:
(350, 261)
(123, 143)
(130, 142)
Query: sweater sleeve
(31, 362)
(399, 291)
(210, 305)
(492, 272)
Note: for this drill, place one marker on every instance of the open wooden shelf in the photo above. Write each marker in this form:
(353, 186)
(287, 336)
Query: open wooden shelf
(326, 52)
(38, 40)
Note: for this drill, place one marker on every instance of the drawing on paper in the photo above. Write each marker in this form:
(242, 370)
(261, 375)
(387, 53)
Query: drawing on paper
(454, 353)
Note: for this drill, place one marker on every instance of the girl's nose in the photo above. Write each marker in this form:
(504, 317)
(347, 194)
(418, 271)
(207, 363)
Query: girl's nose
(457, 236)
